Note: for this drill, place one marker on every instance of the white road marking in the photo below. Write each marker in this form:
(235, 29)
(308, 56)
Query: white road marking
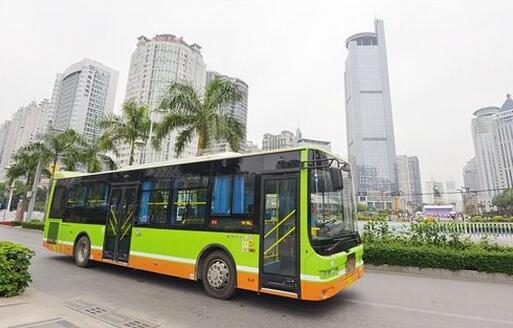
(433, 312)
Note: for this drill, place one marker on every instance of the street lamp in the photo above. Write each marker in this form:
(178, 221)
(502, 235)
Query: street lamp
(33, 193)
(11, 191)
(149, 147)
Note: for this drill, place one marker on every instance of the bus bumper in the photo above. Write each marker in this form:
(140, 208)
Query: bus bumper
(319, 291)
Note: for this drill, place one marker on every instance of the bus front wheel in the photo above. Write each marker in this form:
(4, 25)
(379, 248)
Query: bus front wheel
(82, 252)
(218, 275)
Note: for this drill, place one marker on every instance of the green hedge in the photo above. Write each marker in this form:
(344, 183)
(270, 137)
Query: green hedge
(37, 225)
(428, 256)
(14, 264)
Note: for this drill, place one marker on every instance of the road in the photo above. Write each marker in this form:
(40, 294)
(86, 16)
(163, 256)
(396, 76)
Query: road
(377, 300)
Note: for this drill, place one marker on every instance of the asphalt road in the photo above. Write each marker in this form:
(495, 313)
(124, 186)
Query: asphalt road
(377, 300)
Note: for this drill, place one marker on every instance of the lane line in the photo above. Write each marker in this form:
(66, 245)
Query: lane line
(433, 312)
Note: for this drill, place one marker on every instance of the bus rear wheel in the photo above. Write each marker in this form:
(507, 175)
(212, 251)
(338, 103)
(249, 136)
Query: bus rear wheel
(82, 252)
(218, 275)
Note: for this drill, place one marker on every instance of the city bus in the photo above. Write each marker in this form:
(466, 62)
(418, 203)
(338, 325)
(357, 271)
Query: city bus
(277, 222)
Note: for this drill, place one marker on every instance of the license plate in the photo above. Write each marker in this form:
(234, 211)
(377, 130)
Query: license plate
(351, 263)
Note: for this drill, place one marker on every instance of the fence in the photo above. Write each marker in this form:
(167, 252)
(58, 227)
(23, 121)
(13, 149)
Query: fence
(500, 229)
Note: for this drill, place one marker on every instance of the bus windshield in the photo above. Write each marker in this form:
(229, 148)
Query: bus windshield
(332, 210)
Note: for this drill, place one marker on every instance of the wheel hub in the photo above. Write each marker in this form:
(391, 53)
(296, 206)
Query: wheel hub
(82, 252)
(218, 274)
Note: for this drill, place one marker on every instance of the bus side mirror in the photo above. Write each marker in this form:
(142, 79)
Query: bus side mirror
(336, 178)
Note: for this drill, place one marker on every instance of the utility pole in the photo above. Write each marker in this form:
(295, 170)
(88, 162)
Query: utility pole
(11, 191)
(33, 193)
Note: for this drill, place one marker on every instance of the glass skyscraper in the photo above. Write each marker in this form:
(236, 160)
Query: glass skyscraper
(370, 130)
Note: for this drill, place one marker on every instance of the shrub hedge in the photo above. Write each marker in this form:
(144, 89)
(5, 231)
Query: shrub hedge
(431, 256)
(37, 225)
(14, 265)
(425, 245)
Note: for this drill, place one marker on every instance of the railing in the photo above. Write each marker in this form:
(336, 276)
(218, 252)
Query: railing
(501, 229)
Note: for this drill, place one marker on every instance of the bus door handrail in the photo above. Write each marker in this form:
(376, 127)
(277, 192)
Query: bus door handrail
(279, 223)
(280, 240)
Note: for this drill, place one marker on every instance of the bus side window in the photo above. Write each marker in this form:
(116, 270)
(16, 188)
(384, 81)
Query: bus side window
(96, 208)
(154, 202)
(57, 210)
(74, 201)
(232, 202)
(189, 201)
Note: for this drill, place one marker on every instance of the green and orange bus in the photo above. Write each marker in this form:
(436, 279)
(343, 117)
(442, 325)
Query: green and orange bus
(277, 222)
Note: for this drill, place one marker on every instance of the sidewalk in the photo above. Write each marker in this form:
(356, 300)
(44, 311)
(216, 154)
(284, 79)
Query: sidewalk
(34, 309)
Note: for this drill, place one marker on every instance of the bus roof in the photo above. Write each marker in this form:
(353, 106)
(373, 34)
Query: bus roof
(189, 160)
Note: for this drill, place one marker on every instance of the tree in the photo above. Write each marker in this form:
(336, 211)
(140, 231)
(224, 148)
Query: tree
(25, 162)
(504, 202)
(362, 207)
(132, 126)
(92, 156)
(63, 146)
(194, 115)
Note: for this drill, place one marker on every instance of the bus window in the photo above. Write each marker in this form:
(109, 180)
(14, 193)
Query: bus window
(154, 202)
(189, 201)
(232, 202)
(95, 209)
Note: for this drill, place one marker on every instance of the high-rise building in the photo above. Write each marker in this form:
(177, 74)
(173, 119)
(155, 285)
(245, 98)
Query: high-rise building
(483, 133)
(238, 109)
(415, 181)
(409, 183)
(504, 143)
(471, 175)
(154, 65)
(4, 130)
(370, 130)
(27, 125)
(82, 95)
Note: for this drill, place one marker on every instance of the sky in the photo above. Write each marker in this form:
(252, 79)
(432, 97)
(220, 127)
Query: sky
(446, 59)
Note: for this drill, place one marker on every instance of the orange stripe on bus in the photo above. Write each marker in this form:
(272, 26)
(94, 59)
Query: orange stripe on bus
(318, 291)
(60, 248)
(182, 270)
(247, 280)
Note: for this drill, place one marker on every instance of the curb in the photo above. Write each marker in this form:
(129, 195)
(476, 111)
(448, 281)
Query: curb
(470, 275)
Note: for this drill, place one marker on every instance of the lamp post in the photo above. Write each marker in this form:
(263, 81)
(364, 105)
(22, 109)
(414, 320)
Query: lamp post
(11, 191)
(149, 148)
(33, 193)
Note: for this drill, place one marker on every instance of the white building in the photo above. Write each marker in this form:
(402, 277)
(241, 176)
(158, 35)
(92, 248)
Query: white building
(483, 133)
(409, 183)
(4, 130)
(238, 109)
(285, 139)
(370, 130)
(154, 64)
(27, 125)
(471, 175)
(504, 139)
(82, 95)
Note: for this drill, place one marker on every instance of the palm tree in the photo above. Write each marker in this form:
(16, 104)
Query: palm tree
(63, 145)
(132, 126)
(192, 114)
(94, 158)
(25, 162)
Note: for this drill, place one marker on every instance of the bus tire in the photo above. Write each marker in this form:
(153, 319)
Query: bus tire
(218, 275)
(82, 251)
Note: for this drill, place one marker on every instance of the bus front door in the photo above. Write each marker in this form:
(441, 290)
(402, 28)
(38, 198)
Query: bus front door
(118, 229)
(280, 234)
